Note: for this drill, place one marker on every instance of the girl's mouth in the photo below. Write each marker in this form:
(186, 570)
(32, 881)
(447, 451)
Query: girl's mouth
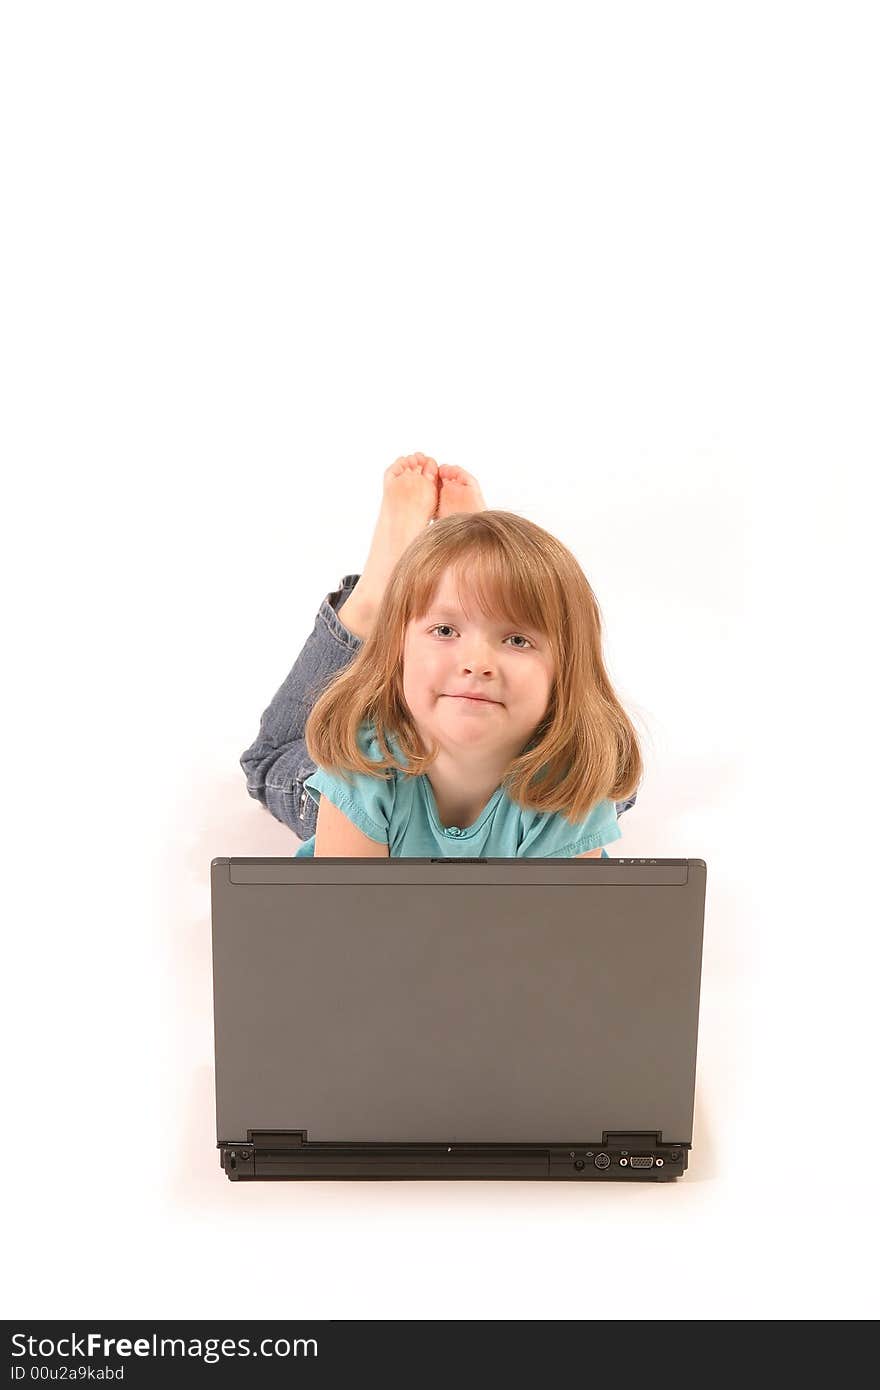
(474, 699)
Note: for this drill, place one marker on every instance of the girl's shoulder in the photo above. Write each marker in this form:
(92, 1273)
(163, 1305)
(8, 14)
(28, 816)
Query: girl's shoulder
(368, 742)
(366, 798)
(551, 835)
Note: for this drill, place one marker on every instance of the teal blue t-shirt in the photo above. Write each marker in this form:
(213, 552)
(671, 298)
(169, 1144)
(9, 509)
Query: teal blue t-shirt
(401, 812)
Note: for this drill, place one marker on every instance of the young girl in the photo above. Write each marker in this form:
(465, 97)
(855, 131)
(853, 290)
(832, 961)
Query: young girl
(462, 708)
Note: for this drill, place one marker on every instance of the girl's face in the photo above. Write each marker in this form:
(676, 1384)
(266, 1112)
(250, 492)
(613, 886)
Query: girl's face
(450, 656)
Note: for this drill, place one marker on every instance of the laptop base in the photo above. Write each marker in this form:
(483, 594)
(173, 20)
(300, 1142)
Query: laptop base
(631, 1156)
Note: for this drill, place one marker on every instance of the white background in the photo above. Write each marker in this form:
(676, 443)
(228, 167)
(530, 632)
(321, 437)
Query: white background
(620, 262)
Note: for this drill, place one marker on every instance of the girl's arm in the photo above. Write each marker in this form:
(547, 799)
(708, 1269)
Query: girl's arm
(590, 854)
(336, 835)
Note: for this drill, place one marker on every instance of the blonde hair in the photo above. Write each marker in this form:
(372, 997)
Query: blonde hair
(585, 748)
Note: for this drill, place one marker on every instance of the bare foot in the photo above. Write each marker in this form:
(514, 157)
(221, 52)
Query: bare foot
(459, 491)
(409, 503)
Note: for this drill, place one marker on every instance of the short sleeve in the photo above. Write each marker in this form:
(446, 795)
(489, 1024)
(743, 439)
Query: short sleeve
(367, 801)
(551, 836)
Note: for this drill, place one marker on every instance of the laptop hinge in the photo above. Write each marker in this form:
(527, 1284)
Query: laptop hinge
(285, 1138)
(238, 1156)
(632, 1138)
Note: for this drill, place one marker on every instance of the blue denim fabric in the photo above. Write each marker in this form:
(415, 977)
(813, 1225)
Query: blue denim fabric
(277, 763)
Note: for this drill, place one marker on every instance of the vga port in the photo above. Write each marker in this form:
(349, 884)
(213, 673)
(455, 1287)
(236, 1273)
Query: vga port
(642, 1161)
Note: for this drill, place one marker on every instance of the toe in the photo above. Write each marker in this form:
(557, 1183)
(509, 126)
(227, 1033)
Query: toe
(457, 475)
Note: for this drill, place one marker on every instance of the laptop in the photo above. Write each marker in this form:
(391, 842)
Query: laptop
(456, 1018)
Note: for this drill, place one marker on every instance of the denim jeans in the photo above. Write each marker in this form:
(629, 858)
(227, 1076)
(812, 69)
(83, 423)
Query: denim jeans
(277, 764)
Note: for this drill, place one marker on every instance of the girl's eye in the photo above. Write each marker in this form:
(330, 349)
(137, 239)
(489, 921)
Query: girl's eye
(438, 626)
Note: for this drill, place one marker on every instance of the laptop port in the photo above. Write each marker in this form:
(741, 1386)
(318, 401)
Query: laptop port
(602, 1160)
(641, 1161)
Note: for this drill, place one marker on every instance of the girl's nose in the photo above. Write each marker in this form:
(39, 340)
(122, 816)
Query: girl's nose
(484, 665)
(476, 654)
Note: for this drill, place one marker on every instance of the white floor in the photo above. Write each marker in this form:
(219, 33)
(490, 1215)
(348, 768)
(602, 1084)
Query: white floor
(117, 1200)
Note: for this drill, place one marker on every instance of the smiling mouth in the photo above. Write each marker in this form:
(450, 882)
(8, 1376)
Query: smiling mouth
(474, 699)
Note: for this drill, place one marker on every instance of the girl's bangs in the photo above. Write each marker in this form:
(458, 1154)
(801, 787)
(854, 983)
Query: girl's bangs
(504, 592)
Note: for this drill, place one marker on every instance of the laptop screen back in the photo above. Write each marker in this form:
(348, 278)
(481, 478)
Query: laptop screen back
(505, 1001)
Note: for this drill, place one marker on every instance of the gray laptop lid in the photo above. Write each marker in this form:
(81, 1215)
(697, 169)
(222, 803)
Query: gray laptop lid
(499, 1001)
